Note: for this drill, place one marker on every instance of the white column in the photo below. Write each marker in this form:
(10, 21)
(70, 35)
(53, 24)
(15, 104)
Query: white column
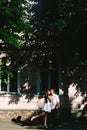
(18, 81)
(0, 83)
(8, 83)
(60, 81)
(49, 81)
(38, 81)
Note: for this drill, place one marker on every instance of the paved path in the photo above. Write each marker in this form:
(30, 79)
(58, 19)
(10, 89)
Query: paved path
(80, 124)
(13, 126)
(9, 125)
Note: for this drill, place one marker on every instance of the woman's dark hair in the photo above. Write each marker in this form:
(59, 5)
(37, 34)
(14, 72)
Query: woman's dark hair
(46, 96)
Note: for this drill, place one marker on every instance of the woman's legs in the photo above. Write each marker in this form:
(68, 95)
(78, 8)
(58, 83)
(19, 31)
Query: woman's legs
(39, 115)
(36, 116)
(45, 120)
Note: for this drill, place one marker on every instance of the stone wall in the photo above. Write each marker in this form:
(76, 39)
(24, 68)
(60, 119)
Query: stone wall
(13, 107)
(15, 115)
(14, 102)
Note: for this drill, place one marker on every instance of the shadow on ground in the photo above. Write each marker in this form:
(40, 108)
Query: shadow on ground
(71, 123)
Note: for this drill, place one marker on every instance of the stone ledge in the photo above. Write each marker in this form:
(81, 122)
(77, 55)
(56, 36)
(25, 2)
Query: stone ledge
(9, 115)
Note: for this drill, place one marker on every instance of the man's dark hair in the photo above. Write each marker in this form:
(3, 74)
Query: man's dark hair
(53, 89)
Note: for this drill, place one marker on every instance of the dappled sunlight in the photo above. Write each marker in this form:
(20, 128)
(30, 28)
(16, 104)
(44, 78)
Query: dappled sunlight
(74, 96)
(26, 92)
(72, 90)
(14, 100)
(78, 101)
(2, 55)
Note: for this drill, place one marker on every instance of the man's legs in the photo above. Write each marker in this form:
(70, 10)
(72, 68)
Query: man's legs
(54, 121)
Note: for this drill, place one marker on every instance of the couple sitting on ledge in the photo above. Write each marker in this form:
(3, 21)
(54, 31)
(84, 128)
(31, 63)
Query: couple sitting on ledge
(52, 103)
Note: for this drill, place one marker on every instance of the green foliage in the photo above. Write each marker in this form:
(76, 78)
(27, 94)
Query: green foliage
(74, 7)
(5, 70)
(14, 25)
(13, 22)
(72, 14)
(61, 24)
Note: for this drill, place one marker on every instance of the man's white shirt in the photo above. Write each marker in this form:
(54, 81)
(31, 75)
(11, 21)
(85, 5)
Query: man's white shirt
(55, 100)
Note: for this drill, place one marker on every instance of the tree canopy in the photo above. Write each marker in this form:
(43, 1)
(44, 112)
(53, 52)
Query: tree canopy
(58, 34)
(14, 22)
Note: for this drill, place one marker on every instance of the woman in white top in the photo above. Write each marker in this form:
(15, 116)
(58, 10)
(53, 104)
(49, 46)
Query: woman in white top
(45, 110)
